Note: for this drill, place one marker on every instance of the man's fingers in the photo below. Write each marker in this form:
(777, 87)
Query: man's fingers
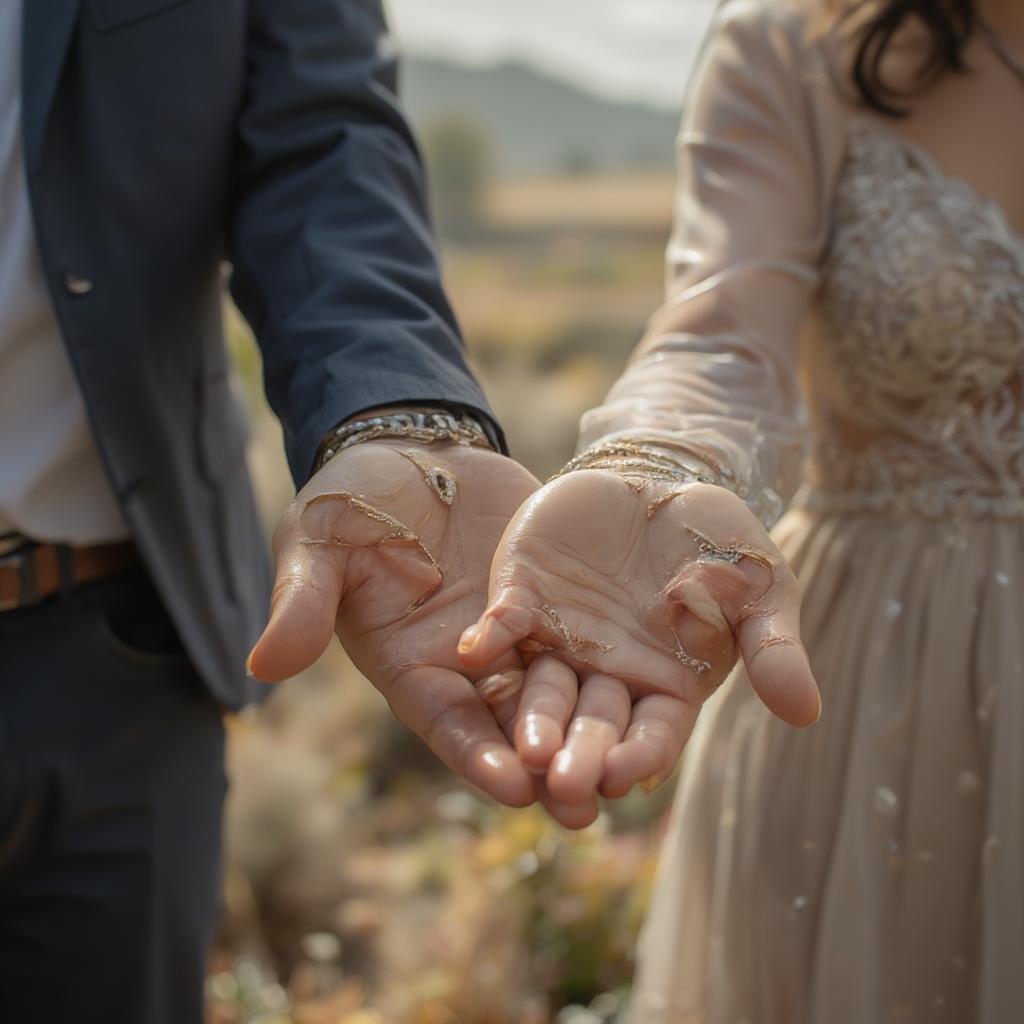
(445, 710)
(508, 619)
(769, 639)
(660, 729)
(545, 704)
(601, 717)
(303, 611)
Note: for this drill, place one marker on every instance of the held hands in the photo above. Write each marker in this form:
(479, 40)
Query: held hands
(624, 601)
(632, 597)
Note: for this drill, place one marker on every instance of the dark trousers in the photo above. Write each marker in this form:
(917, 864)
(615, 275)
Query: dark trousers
(111, 788)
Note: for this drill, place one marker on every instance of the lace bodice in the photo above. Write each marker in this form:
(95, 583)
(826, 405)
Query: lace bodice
(915, 375)
(798, 217)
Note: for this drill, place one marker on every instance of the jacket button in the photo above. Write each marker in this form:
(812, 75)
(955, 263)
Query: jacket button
(78, 285)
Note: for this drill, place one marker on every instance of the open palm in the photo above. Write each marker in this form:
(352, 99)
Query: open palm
(389, 546)
(633, 599)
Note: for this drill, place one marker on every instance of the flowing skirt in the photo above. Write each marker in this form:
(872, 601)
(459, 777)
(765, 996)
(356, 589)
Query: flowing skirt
(869, 870)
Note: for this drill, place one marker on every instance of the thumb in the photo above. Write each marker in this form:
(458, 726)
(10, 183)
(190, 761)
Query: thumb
(303, 609)
(315, 546)
(769, 640)
(767, 629)
(511, 616)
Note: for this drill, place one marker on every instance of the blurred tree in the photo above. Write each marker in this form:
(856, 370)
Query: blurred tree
(458, 155)
(578, 163)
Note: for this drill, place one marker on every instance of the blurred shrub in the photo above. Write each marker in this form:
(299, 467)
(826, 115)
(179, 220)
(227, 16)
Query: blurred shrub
(458, 155)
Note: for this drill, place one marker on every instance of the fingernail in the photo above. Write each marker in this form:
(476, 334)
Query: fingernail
(563, 762)
(652, 782)
(248, 665)
(493, 759)
(531, 733)
(469, 637)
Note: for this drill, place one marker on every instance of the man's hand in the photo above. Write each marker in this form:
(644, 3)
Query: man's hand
(389, 546)
(634, 599)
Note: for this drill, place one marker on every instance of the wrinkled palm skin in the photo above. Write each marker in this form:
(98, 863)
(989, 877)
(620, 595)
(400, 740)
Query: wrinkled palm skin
(633, 600)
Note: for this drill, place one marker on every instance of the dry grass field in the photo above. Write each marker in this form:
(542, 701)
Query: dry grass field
(627, 202)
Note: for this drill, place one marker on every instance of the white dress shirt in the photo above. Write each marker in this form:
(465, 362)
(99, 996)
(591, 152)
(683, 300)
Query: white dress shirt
(52, 483)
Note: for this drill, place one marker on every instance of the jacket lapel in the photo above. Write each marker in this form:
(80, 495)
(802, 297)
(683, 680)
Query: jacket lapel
(48, 28)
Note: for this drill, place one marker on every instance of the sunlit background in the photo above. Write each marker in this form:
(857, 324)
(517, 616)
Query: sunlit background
(619, 49)
(363, 883)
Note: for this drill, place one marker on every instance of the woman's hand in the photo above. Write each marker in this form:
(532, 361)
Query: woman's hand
(632, 599)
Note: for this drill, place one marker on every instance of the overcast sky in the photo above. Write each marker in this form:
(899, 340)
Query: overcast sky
(630, 49)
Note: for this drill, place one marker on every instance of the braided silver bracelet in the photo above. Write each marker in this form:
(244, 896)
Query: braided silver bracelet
(424, 426)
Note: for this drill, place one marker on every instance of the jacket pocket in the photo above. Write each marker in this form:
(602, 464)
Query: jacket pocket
(113, 14)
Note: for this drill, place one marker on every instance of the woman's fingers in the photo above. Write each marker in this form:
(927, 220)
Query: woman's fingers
(601, 717)
(545, 706)
(661, 727)
(509, 618)
(744, 582)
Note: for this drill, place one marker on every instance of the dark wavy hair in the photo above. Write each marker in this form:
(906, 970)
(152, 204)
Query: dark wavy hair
(874, 23)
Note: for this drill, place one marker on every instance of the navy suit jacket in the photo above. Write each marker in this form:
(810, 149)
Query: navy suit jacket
(165, 137)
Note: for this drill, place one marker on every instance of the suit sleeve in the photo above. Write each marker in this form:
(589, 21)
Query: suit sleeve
(335, 264)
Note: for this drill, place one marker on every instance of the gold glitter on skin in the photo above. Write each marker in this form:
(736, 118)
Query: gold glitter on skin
(398, 532)
(776, 641)
(697, 665)
(531, 646)
(659, 503)
(573, 641)
(710, 551)
(438, 479)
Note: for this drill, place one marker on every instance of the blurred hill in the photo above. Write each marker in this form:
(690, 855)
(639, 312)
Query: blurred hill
(538, 124)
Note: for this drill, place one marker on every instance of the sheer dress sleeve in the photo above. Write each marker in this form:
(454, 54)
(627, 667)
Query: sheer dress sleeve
(716, 370)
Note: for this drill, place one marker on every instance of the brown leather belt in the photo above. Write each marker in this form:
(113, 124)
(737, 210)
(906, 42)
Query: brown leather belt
(31, 572)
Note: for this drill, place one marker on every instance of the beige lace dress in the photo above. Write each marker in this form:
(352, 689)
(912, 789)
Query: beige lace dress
(869, 870)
